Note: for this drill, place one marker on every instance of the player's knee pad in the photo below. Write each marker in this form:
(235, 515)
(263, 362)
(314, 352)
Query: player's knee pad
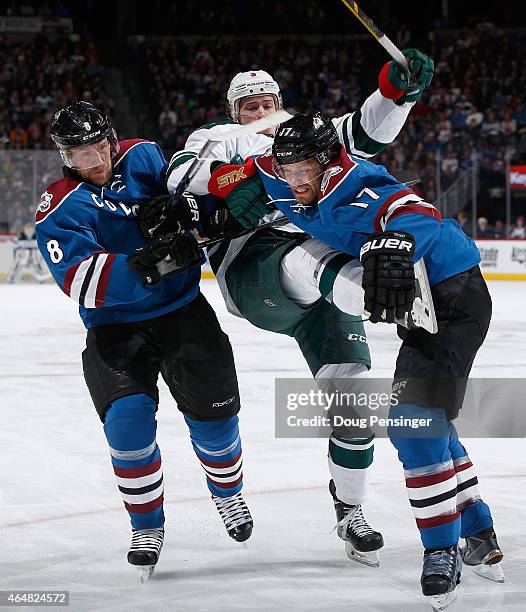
(130, 423)
(344, 383)
(342, 370)
(420, 435)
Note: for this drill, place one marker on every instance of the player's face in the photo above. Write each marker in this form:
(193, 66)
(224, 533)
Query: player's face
(304, 178)
(257, 107)
(93, 164)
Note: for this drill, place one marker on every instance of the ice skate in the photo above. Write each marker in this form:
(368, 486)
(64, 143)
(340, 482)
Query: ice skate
(236, 516)
(483, 554)
(361, 542)
(440, 576)
(144, 551)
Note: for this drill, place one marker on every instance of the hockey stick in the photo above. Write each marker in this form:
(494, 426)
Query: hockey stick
(386, 42)
(203, 155)
(240, 130)
(166, 266)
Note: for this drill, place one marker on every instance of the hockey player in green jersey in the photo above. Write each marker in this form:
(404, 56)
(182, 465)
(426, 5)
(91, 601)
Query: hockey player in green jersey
(286, 282)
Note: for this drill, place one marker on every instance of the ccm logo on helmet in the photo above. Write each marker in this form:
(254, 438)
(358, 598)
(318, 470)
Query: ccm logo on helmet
(386, 243)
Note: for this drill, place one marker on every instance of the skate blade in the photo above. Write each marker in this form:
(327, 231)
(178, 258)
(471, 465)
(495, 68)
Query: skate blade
(145, 572)
(422, 317)
(441, 602)
(490, 572)
(371, 559)
(423, 311)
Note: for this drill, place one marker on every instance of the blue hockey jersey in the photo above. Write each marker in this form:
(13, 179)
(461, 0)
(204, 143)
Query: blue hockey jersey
(357, 198)
(85, 234)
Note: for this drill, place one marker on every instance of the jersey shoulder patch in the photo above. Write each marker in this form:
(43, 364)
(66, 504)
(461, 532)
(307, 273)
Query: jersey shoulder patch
(53, 196)
(264, 163)
(336, 173)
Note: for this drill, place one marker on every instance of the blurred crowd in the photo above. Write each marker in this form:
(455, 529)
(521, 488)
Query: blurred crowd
(476, 103)
(497, 230)
(37, 78)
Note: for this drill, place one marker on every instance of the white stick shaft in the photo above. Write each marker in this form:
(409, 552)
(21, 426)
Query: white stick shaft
(394, 51)
(254, 127)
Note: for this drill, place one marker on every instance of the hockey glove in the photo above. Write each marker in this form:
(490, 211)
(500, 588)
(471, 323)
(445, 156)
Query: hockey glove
(388, 275)
(180, 249)
(222, 224)
(243, 192)
(164, 215)
(392, 80)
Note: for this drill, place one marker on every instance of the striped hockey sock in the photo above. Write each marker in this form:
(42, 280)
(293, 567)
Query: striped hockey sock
(217, 445)
(130, 429)
(475, 513)
(430, 475)
(432, 492)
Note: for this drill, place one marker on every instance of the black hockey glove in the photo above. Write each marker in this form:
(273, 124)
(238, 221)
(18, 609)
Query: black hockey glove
(182, 252)
(221, 223)
(388, 275)
(164, 215)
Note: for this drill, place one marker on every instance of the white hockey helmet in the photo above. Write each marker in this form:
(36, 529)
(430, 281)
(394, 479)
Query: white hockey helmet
(251, 83)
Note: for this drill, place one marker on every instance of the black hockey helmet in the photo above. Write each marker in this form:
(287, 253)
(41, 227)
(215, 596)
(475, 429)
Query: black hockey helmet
(81, 125)
(305, 137)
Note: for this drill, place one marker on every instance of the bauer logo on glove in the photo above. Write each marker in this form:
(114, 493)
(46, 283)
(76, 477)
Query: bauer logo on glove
(388, 277)
(388, 243)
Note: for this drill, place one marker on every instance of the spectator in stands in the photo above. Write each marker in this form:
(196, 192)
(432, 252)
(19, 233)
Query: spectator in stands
(464, 222)
(168, 117)
(508, 125)
(450, 161)
(490, 127)
(444, 129)
(458, 119)
(519, 229)
(499, 230)
(483, 228)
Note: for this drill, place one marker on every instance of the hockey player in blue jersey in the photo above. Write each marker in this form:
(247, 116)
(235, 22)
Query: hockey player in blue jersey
(139, 324)
(275, 278)
(358, 208)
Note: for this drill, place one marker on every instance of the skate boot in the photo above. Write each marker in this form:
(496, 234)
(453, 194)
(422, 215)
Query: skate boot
(440, 576)
(145, 549)
(236, 516)
(361, 542)
(483, 554)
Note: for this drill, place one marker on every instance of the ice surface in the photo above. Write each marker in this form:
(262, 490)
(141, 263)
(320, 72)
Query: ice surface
(63, 526)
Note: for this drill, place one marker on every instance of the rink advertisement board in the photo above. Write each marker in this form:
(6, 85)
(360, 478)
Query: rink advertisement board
(503, 259)
(500, 259)
(518, 177)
